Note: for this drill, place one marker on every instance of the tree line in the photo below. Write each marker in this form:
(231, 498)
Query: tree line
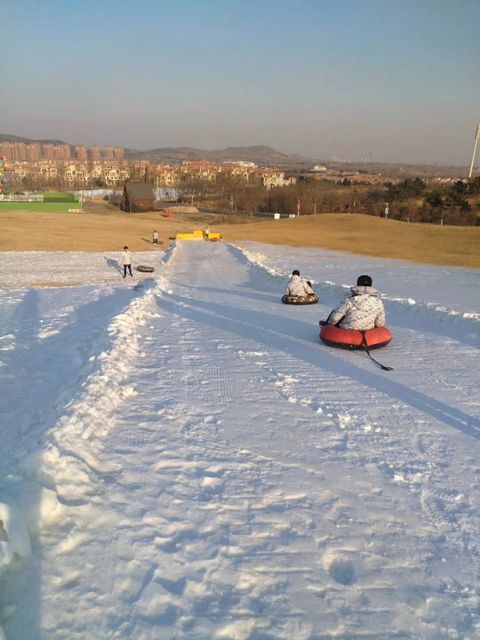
(410, 200)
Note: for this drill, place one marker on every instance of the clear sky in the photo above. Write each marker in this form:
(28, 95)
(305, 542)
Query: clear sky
(397, 79)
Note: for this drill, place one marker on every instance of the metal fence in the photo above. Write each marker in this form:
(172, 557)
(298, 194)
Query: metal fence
(11, 197)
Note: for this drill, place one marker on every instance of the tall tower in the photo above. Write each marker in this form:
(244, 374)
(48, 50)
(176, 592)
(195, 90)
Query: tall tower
(477, 138)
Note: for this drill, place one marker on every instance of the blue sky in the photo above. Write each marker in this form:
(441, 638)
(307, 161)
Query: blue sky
(395, 79)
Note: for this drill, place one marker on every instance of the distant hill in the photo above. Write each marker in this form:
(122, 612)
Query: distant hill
(401, 170)
(260, 154)
(6, 137)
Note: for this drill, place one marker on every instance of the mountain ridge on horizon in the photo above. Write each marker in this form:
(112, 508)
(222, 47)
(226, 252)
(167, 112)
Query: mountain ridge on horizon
(256, 153)
(260, 154)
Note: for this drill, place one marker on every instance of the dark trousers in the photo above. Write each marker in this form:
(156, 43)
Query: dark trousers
(125, 267)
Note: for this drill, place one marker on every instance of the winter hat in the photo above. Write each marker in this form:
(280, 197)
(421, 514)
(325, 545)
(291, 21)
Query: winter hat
(296, 272)
(364, 281)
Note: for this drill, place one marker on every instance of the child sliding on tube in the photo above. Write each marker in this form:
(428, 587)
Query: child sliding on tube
(297, 286)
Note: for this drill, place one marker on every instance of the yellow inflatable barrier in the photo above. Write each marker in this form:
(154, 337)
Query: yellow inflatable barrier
(197, 235)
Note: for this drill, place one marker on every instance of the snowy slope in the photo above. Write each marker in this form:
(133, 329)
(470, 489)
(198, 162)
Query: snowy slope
(186, 460)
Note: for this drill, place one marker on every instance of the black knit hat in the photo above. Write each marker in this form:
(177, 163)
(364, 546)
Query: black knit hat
(296, 272)
(364, 281)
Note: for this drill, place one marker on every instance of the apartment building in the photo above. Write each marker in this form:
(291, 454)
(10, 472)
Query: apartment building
(33, 152)
(22, 152)
(56, 152)
(49, 152)
(64, 152)
(13, 150)
(94, 152)
(81, 152)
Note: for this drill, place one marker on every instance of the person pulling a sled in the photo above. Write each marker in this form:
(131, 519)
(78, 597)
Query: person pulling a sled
(361, 310)
(297, 286)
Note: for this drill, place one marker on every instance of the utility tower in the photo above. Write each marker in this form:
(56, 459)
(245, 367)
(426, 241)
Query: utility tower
(477, 136)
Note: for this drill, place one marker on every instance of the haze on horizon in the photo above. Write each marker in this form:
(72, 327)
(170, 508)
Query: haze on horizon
(388, 80)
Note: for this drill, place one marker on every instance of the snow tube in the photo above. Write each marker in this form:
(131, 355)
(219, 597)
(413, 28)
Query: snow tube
(312, 298)
(352, 339)
(144, 269)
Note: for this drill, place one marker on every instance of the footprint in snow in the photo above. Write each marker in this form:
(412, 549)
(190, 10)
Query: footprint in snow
(341, 569)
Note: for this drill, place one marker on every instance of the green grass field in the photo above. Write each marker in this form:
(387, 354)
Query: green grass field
(59, 196)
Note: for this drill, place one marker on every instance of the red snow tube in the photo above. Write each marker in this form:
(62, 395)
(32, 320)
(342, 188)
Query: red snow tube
(352, 339)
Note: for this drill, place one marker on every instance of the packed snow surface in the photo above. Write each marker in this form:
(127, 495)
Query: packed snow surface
(183, 459)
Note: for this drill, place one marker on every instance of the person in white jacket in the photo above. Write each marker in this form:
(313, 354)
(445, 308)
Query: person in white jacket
(362, 309)
(297, 286)
(127, 262)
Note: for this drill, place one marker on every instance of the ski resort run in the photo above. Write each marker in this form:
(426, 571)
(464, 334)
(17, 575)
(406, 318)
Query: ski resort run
(183, 459)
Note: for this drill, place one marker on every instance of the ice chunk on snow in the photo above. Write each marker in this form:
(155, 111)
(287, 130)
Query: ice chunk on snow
(38, 505)
(240, 630)
(24, 507)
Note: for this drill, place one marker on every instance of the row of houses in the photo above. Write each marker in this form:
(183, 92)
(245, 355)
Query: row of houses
(76, 172)
(111, 173)
(210, 171)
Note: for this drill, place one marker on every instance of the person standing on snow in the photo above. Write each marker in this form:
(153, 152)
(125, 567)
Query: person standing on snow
(361, 310)
(297, 286)
(127, 262)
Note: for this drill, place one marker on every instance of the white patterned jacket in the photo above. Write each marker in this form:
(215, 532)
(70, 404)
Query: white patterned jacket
(298, 287)
(360, 310)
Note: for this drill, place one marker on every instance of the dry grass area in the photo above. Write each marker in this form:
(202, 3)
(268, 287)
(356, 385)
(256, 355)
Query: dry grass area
(459, 246)
(110, 230)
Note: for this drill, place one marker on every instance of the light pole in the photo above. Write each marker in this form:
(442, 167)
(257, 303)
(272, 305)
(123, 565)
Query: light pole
(477, 136)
